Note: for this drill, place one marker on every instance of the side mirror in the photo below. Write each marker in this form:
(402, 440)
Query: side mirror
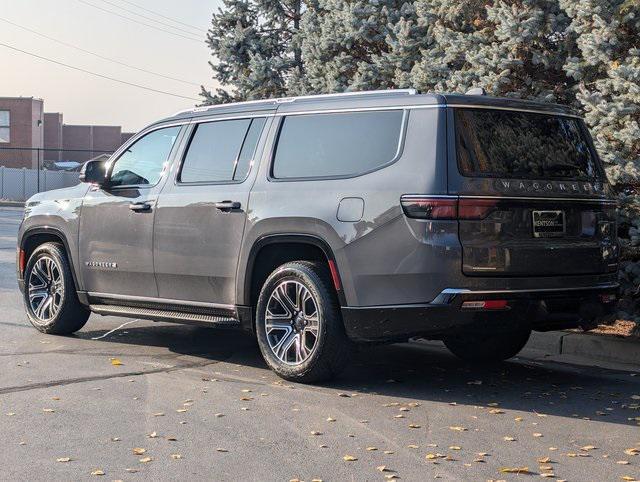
(94, 172)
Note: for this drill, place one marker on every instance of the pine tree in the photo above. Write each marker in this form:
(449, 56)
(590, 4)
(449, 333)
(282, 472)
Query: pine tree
(606, 65)
(344, 41)
(510, 48)
(256, 54)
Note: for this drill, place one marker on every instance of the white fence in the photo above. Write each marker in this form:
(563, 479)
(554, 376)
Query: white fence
(21, 184)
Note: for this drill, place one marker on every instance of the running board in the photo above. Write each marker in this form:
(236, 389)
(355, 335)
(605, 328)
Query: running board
(165, 315)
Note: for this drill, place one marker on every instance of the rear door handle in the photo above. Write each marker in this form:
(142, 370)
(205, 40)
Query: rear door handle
(227, 205)
(140, 207)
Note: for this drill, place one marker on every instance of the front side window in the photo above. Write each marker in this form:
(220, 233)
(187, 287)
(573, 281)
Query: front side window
(221, 151)
(336, 145)
(5, 126)
(522, 145)
(145, 160)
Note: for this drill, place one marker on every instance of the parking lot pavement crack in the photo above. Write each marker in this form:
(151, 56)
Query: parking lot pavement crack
(73, 381)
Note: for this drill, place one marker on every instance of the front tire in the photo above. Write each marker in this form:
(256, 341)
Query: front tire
(488, 347)
(298, 324)
(50, 296)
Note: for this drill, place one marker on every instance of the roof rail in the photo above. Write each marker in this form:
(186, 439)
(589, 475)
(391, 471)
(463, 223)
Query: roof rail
(362, 93)
(284, 100)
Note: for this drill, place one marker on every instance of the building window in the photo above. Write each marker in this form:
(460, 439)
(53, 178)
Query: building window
(5, 126)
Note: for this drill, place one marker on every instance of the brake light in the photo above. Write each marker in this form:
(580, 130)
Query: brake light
(447, 208)
(476, 208)
(422, 207)
(485, 305)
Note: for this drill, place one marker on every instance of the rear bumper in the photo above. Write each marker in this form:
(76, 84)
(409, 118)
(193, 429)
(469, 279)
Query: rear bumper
(543, 309)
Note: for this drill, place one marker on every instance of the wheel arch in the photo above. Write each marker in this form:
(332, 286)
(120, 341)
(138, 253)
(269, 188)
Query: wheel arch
(259, 264)
(38, 236)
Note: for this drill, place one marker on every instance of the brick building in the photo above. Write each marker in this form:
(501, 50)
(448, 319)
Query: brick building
(25, 128)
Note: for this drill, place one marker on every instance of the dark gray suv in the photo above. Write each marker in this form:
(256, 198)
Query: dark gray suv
(318, 222)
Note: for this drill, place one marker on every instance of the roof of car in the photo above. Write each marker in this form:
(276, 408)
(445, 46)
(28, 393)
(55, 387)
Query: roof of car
(368, 99)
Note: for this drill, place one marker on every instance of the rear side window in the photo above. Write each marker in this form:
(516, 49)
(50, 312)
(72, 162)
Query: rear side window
(336, 145)
(522, 145)
(221, 151)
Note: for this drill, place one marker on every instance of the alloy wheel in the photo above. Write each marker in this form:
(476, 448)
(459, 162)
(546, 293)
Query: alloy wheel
(292, 322)
(45, 289)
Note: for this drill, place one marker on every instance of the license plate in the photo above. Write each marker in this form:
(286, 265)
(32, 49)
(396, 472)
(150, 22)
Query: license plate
(548, 224)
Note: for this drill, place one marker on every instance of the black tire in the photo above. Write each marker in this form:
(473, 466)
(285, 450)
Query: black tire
(332, 348)
(71, 315)
(488, 347)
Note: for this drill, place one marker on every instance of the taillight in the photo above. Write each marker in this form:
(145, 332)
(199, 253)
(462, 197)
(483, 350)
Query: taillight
(447, 208)
(423, 207)
(476, 208)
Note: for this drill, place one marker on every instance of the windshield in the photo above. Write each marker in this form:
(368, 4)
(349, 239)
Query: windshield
(522, 145)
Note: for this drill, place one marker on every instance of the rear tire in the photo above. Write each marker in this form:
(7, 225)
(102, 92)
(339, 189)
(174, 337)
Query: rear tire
(488, 347)
(50, 296)
(299, 325)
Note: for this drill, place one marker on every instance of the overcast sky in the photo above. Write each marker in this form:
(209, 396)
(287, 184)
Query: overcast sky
(85, 99)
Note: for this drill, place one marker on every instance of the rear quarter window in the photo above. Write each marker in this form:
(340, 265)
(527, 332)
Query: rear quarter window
(336, 145)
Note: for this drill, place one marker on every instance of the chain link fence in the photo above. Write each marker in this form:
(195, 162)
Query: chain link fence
(27, 171)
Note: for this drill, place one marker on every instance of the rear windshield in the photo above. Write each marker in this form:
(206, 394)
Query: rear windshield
(522, 145)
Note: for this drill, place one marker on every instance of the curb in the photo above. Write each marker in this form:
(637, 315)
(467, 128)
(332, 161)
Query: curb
(589, 348)
(11, 204)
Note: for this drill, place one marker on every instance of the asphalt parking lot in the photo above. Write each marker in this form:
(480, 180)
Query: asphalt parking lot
(154, 401)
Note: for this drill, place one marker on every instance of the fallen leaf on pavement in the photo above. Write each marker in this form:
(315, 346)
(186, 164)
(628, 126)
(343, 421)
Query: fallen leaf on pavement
(632, 451)
(383, 468)
(330, 419)
(97, 472)
(414, 425)
(146, 460)
(515, 470)
(63, 459)
(537, 435)
(48, 410)
(349, 458)
(139, 451)
(586, 448)
(176, 456)
(221, 450)
(509, 439)
(371, 449)
(496, 411)
(115, 362)
(458, 429)
(153, 435)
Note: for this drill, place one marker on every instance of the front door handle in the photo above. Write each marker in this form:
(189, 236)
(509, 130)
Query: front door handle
(226, 206)
(140, 207)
